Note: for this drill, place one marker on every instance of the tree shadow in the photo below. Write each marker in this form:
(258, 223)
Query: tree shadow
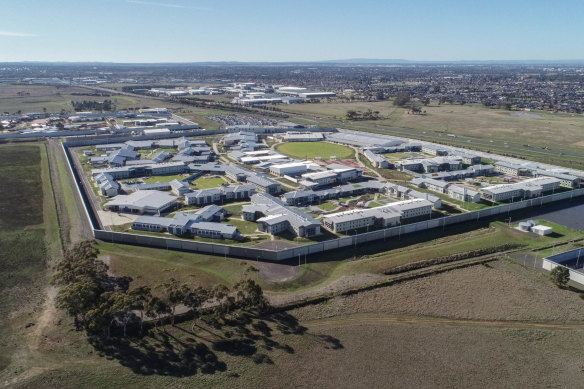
(177, 351)
(146, 357)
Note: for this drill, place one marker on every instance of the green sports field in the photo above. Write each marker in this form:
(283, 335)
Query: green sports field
(311, 150)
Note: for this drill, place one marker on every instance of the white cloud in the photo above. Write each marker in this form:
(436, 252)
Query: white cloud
(167, 5)
(16, 34)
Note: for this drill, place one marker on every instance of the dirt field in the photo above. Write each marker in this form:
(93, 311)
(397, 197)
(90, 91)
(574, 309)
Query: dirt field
(395, 355)
(497, 291)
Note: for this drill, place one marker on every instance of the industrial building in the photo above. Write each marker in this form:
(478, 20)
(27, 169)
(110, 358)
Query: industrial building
(303, 137)
(360, 139)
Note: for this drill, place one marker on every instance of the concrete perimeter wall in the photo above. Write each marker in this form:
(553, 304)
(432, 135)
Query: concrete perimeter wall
(557, 260)
(301, 250)
(333, 244)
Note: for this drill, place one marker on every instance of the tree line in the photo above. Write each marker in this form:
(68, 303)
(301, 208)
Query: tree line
(89, 105)
(98, 302)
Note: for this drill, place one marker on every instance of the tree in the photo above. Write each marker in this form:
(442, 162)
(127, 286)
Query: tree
(80, 260)
(224, 302)
(250, 295)
(194, 300)
(79, 297)
(157, 308)
(139, 298)
(102, 316)
(560, 276)
(401, 99)
(175, 295)
(121, 308)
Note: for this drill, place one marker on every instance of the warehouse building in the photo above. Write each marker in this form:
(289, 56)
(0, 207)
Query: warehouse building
(303, 137)
(356, 138)
(142, 202)
(289, 169)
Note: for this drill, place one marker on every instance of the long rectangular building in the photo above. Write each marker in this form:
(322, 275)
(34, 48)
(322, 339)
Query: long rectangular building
(530, 188)
(384, 216)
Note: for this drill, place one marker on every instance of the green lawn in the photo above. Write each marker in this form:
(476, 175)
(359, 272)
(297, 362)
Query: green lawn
(208, 182)
(153, 179)
(328, 206)
(311, 150)
(237, 208)
(243, 226)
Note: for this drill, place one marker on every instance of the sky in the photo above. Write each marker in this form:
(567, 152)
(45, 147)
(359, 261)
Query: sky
(292, 30)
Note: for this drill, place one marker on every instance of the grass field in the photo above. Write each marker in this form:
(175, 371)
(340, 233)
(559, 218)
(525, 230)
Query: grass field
(208, 182)
(153, 179)
(243, 226)
(328, 206)
(311, 150)
(28, 239)
(33, 98)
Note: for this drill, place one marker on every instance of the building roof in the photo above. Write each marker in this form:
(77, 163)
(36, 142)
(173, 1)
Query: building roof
(143, 199)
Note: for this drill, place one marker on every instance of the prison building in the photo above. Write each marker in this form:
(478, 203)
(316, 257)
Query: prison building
(203, 223)
(512, 169)
(434, 150)
(378, 161)
(566, 180)
(273, 217)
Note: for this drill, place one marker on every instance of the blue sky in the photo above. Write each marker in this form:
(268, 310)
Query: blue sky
(292, 30)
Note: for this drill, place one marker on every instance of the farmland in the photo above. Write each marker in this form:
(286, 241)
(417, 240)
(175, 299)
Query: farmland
(312, 150)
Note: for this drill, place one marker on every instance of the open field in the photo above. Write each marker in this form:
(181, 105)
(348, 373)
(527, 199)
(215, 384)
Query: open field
(311, 150)
(466, 120)
(29, 239)
(33, 98)
(339, 110)
(364, 340)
